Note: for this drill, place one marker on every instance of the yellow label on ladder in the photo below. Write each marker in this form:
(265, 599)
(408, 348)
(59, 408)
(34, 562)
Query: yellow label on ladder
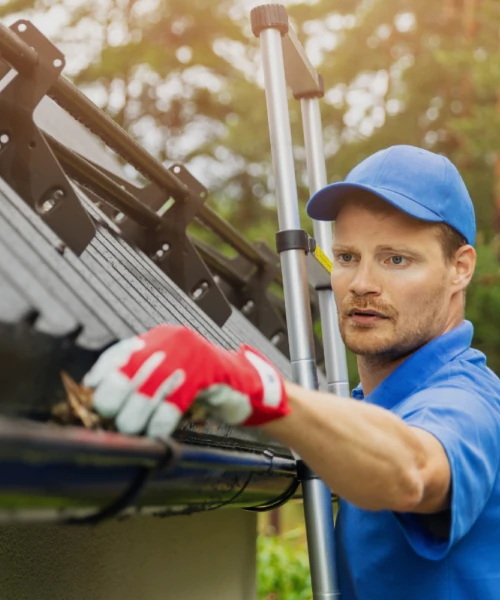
(319, 268)
(323, 259)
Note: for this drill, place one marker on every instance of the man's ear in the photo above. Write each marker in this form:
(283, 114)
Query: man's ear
(464, 263)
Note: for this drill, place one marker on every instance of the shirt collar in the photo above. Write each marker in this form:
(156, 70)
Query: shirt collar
(418, 367)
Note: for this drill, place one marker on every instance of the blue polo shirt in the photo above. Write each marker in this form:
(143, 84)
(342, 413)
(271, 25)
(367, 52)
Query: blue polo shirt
(446, 389)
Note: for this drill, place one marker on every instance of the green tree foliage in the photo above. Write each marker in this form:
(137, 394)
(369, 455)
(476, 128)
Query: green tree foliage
(473, 68)
(283, 568)
(483, 304)
(413, 72)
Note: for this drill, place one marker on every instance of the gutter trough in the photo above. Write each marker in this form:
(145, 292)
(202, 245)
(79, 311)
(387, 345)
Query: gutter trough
(55, 473)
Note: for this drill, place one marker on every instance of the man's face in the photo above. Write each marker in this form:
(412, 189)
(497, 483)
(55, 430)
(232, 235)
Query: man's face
(390, 279)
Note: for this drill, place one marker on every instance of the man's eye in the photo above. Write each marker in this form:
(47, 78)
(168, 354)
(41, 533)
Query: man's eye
(345, 257)
(397, 260)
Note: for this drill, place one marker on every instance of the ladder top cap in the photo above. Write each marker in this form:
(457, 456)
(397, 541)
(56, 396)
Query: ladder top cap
(269, 16)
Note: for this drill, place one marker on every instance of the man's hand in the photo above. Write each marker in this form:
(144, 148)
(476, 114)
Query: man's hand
(146, 383)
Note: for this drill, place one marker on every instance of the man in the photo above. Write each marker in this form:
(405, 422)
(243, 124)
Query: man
(416, 462)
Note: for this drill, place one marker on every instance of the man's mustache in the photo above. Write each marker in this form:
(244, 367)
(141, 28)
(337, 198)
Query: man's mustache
(352, 305)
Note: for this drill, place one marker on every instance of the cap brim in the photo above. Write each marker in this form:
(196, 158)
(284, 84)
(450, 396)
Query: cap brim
(326, 203)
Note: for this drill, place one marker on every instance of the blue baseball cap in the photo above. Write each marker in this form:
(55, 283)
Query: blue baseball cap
(422, 184)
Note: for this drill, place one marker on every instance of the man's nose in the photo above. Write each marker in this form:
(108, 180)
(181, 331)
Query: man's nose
(364, 280)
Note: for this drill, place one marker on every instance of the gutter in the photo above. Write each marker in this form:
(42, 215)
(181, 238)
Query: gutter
(54, 473)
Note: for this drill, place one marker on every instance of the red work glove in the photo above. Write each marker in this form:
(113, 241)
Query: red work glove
(146, 383)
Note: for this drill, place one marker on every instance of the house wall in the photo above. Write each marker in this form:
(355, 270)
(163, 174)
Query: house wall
(207, 556)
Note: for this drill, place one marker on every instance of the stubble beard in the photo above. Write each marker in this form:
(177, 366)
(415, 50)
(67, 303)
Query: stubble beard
(406, 334)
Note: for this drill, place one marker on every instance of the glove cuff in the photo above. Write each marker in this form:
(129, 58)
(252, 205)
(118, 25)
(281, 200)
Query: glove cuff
(271, 401)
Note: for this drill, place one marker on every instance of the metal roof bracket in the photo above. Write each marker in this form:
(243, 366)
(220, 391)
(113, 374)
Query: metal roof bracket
(26, 161)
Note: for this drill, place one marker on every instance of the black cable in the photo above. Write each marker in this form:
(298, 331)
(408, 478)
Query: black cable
(129, 496)
(279, 501)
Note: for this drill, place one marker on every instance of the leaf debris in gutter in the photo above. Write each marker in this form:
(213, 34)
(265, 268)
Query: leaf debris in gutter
(77, 408)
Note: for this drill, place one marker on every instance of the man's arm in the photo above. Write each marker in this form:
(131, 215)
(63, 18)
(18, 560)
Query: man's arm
(364, 453)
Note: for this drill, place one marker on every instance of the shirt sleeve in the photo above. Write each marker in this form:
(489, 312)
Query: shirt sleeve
(468, 427)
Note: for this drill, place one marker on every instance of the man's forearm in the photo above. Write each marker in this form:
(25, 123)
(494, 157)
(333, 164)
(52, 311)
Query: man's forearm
(364, 453)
